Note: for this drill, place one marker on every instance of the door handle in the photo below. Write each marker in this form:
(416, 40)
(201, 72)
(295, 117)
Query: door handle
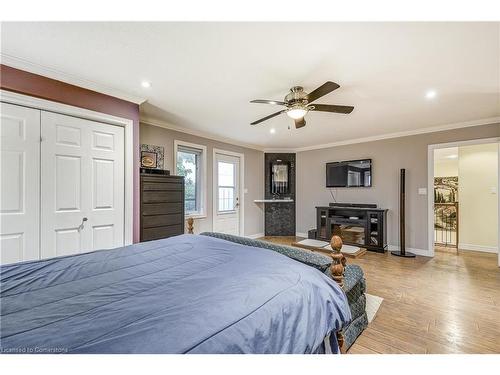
(82, 225)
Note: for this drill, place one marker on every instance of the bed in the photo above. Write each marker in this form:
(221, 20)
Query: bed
(184, 294)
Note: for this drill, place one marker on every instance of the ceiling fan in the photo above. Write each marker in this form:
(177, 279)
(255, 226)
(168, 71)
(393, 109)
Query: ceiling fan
(298, 103)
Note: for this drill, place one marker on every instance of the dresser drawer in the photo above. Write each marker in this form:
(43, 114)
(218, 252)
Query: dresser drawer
(162, 208)
(161, 178)
(161, 220)
(161, 186)
(161, 232)
(162, 196)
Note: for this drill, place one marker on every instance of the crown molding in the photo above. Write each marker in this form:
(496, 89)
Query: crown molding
(433, 129)
(163, 124)
(28, 66)
(58, 75)
(280, 150)
(459, 125)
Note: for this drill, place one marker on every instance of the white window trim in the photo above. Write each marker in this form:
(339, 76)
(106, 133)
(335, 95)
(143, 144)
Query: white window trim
(203, 174)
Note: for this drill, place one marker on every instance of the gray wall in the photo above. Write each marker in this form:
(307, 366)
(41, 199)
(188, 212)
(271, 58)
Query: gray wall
(388, 157)
(254, 173)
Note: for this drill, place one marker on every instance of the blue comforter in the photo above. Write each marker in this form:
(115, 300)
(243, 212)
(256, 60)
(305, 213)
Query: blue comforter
(185, 294)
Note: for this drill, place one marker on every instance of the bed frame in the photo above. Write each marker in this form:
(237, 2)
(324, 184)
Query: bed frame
(336, 268)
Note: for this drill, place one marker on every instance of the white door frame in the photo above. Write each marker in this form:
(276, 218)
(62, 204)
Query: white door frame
(430, 184)
(128, 124)
(241, 188)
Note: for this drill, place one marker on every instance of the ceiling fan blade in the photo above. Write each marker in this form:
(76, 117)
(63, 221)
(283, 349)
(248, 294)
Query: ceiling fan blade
(324, 89)
(300, 123)
(262, 101)
(333, 108)
(268, 117)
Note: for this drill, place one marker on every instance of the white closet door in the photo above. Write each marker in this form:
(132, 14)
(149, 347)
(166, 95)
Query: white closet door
(82, 182)
(20, 183)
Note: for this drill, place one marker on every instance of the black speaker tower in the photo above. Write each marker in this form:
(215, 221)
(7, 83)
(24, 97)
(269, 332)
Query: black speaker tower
(402, 250)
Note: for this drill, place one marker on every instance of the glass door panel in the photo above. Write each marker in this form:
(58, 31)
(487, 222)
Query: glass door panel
(353, 234)
(226, 186)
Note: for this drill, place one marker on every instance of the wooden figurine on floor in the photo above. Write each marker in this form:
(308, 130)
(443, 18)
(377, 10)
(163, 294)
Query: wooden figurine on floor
(190, 225)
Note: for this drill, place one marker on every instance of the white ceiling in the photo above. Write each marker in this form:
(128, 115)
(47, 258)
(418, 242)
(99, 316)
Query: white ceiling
(204, 74)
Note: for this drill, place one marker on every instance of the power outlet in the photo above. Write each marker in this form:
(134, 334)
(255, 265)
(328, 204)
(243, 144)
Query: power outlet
(422, 191)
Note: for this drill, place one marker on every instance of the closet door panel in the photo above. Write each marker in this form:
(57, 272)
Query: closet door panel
(19, 183)
(82, 185)
(107, 187)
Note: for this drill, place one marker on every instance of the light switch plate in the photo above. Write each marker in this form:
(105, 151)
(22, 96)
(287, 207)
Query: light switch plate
(422, 191)
(245, 191)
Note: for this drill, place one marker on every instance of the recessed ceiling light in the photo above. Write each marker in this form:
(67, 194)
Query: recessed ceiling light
(431, 94)
(272, 130)
(146, 84)
(454, 156)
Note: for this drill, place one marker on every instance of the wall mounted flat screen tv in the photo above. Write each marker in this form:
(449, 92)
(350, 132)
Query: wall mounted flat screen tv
(352, 173)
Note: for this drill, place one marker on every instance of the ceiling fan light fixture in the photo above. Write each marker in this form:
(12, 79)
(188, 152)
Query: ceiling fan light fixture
(296, 112)
(297, 104)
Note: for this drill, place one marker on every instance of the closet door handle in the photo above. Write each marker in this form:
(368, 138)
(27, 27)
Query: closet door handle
(82, 225)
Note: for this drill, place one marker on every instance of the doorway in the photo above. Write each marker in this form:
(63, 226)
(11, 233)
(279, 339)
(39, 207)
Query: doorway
(228, 171)
(446, 203)
(463, 196)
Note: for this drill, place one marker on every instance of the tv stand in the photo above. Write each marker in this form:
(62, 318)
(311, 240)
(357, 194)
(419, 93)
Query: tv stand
(362, 225)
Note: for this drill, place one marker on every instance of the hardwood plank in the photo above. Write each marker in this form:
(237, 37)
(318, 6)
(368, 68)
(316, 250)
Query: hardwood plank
(385, 337)
(378, 346)
(360, 349)
(446, 304)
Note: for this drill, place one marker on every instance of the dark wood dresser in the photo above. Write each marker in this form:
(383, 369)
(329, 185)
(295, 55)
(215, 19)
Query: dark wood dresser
(162, 206)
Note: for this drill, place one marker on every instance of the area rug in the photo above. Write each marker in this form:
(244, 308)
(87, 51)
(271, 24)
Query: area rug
(372, 305)
(316, 245)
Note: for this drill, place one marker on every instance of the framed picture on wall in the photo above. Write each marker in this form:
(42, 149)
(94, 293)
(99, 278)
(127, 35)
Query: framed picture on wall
(149, 159)
(152, 157)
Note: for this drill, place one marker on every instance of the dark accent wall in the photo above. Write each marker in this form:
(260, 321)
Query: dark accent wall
(279, 217)
(38, 86)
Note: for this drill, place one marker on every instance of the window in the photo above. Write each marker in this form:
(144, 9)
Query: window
(226, 186)
(190, 163)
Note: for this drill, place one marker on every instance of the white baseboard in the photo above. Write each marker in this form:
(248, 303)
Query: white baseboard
(421, 252)
(486, 249)
(299, 234)
(254, 236)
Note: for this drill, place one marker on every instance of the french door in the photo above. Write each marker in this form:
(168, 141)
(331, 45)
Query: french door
(82, 185)
(226, 193)
(20, 183)
(62, 184)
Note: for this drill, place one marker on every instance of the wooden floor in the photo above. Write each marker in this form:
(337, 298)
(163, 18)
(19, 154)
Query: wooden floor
(446, 304)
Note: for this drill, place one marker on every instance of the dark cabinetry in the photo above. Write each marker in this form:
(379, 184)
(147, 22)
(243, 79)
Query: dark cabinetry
(358, 226)
(279, 184)
(162, 206)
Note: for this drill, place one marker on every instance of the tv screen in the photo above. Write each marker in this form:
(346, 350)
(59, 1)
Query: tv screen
(353, 173)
